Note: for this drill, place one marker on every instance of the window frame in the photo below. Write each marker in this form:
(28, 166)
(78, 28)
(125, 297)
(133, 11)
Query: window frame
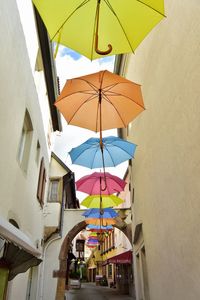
(58, 188)
(41, 183)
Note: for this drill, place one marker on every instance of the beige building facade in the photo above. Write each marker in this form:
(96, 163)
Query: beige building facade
(26, 124)
(165, 172)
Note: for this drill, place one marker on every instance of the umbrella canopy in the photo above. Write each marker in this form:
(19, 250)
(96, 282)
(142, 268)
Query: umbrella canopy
(91, 245)
(103, 213)
(100, 101)
(100, 229)
(90, 237)
(93, 235)
(92, 241)
(97, 201)
(115, 151)
(95, 28)
(95, 183)
(101, 221)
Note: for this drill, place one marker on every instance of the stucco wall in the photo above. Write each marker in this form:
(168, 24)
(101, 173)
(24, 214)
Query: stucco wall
(18, 199)
(166, 168)
(18, 92)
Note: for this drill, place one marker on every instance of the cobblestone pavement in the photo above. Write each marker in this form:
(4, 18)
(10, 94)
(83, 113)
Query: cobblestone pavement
(89, 291)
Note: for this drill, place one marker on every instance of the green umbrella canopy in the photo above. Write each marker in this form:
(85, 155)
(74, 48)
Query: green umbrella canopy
(100, 27)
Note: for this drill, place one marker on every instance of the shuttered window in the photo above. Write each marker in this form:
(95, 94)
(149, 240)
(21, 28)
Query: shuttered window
(41, 183)
(55, 190)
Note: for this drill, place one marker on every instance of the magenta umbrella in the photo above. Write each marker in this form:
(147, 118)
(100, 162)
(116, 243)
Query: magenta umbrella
(100, 183)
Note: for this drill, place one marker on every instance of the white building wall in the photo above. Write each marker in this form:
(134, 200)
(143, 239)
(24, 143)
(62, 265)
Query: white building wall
(18, 92)
(166, 167)
(71, 218)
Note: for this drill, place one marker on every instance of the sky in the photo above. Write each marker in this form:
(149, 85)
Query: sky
(70, 64)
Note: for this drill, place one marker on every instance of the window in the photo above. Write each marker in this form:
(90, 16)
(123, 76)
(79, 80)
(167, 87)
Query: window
(14, 223)
(37, 156)
(25, 142)
(54, 190)
(41, 183)
(109, 271)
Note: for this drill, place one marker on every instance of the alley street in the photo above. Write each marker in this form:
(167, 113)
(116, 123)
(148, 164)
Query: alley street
(89, 291)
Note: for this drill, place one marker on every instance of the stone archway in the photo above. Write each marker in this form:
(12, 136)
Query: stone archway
(120, 224)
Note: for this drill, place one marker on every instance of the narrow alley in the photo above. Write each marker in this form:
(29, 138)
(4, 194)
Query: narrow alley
(100, 149)
(89, 291)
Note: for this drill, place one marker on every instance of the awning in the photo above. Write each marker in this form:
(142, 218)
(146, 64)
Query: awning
(16, 236)
(123, 258)
(19, 252)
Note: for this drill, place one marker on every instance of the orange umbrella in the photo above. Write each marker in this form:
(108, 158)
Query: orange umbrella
(100, 221)
(100, 101)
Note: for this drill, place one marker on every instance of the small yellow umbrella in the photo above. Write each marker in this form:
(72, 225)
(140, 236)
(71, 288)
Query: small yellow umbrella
(101, 201)
(100, 27)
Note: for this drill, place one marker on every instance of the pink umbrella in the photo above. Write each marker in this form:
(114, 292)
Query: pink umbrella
(100, 183)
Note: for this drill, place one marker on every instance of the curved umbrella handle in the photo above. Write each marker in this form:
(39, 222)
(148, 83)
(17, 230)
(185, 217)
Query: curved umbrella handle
(100, 51)
(96, 33)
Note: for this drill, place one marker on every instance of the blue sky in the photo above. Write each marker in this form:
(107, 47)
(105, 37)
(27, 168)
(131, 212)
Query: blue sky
(76, 56)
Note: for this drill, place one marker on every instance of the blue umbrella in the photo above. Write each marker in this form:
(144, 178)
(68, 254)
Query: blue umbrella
(97, 213)
(98, 228)
(92, 155)
(92, 241)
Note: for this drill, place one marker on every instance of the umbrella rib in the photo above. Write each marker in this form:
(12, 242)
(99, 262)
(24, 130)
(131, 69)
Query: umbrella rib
(110, 6)
(108, 87)
(127, 97)
(89, 99)
(90, 84)
(81, 92)
(114, 108)
(94, 156)
(149, 6)
(123, 149)
(109, 154)
(77, 8)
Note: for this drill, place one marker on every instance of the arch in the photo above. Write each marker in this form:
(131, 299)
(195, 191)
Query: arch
(120, 224)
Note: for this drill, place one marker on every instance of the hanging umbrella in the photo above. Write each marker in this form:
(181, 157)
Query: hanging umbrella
(91, 184)
(100, 101)
(100, 222)
(91, 245)
(93, 237)
(115, 151)
(99, 229)
(97, 201)
(97, 213)
(92, 241)
(104, 27)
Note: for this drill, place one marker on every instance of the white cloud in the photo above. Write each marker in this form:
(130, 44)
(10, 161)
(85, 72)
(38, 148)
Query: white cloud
(68, 68)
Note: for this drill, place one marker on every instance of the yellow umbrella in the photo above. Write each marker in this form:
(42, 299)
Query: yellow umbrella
(101, 201)
(100, 27)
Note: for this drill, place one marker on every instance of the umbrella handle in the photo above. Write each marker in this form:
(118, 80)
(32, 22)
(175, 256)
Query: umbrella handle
(100, 51)
(96, 33)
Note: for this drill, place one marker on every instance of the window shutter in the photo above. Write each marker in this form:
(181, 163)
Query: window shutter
(41, 183)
